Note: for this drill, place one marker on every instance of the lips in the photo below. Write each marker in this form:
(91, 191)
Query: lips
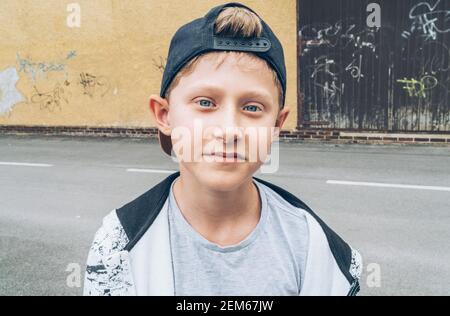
(232, 155)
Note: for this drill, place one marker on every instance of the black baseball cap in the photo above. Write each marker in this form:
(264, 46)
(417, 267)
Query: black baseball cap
(197, 37)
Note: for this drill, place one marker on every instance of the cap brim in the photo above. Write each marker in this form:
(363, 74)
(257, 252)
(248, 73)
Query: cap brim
(165, 142)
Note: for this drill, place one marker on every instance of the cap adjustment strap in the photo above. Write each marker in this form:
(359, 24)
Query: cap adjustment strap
(251, 44)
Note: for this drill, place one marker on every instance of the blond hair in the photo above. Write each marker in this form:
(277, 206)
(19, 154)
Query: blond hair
(235, 22)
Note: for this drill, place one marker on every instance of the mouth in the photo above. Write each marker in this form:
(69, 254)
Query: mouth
(227, 157)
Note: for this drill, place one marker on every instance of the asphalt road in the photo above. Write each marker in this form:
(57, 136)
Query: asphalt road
(398, 218)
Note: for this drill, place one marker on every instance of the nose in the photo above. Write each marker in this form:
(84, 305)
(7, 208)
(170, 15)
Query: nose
(229, 131)
(229, 134)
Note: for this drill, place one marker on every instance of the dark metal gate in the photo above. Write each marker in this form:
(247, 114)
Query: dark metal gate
(390, 78)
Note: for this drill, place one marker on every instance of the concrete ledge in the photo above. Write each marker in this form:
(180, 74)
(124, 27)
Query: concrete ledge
(396, 135)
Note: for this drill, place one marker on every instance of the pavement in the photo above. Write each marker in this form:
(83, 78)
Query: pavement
(391, 202)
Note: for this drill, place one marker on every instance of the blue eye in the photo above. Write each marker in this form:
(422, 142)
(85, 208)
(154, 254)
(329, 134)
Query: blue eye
(252, 108)
(204, 103)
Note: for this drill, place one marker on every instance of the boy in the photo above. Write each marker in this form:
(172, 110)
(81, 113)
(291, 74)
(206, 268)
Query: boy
(212, 228)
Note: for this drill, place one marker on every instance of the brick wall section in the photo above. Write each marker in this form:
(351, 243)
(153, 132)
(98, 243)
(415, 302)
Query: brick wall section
(334, 136)
(79, 131)
(304, 135)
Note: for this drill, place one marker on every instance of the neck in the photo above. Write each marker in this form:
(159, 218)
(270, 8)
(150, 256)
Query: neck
(223, 217)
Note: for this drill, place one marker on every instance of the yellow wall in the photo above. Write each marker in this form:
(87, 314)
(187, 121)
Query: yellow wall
(102, 73)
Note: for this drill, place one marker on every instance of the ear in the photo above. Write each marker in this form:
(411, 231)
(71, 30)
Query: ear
(160, 110)
(281, 118)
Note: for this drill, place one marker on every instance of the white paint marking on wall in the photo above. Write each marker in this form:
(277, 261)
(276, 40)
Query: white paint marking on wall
(25, 164)
(74, 18)
(9, 95)
(151, 170)
(390, 185)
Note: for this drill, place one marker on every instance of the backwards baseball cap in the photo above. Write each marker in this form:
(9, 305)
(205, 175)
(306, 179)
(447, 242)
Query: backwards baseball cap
(197, 37)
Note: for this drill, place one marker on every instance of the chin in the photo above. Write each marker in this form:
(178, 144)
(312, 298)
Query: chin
(223, 177)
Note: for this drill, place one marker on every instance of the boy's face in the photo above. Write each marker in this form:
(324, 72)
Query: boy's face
(233, 109)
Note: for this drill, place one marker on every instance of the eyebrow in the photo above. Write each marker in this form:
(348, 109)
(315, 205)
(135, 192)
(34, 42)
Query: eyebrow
(218, 90)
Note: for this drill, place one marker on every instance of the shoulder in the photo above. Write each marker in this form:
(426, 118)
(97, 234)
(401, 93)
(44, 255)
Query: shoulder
(110, 237)
(347, 258)
(138, 215)
(284, 216)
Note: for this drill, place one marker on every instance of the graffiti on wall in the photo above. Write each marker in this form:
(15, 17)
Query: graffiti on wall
(428, 21)
(93, 85)
(160, 64)
(392, 77)
(60, 94)
(49, 94)
(52, 99)
(418, 88)
(39, 70)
